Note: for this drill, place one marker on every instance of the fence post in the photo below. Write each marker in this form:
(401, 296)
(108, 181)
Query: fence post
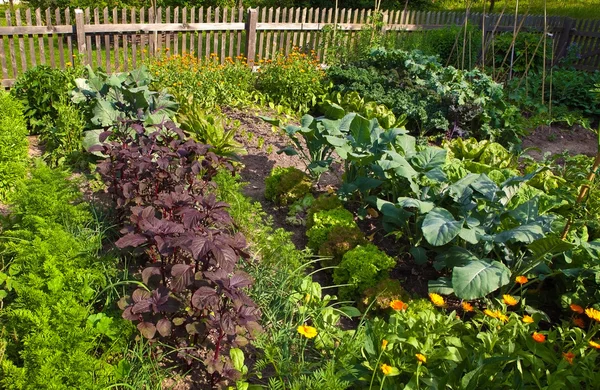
(80, 34)
(251, 36)
(565, 38)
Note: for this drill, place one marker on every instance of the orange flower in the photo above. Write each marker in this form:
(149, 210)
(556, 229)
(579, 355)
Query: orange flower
(521, 279)
(467, 306)
(594, 344)
(569, 356)
(528, 319)
(509, 300)
(384, 344)
(437, 299)
(580, 322)
(421, 358)
(307, 331)
(593, 314)
(397, 304)
(490, 313)
(387, 370)
(576, 308)
(540, 338)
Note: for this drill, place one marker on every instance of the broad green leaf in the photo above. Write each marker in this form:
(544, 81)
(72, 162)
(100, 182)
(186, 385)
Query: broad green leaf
(423, 206)
(350, 311)
(272, 121)
(419, 254)
(237, 358)
(461, 189)
(360, 130)
(479, 278)
(105, 114)
(439, 227)
(441, 285)
(485, 186)
(524, 233)
(429, 158)
(549, 246)
(469, 235)
(526, 212)
(454, 257)
(333, 110)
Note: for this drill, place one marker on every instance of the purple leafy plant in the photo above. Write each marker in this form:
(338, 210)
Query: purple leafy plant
(194, 299)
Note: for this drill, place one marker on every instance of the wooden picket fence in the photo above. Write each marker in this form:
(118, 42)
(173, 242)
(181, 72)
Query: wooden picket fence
(118, 40)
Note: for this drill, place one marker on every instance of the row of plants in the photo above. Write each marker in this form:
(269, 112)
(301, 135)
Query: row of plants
(13, 145)
(57, 290)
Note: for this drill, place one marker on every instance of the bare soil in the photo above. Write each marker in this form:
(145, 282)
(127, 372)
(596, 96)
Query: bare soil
(555, 140)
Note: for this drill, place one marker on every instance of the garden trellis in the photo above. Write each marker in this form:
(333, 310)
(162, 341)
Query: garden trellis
(119, 39)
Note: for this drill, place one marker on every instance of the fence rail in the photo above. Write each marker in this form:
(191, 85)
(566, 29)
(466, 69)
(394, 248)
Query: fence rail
(119, 39)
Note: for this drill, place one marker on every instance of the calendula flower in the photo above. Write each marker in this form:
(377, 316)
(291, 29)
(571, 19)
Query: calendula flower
(576, 308)
(569, 356)
(509, 300)
(490, 313)
(593, 314)
(594, 344)
(384, 344)
(521, 279)
(421, 358)
(540, 338)
(527, 319)
(578, 321)
(437, 299)
(501, 316)
(387, 370)
(307, 331)
(467, 306)
(397, 304)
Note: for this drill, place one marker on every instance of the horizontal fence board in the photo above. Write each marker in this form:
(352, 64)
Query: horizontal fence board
(25, 30)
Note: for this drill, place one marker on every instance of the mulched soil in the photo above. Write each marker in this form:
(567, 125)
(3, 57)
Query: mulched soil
(554, 140)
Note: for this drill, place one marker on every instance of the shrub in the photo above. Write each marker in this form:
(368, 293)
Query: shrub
(294, 81)
(206, 82)
(525, 46)
(437, 100)
(41, 89)
(362, 268)
(383, 294)
(62, 139)
(13, 144)
(324, 221)
(340, 240)
(322, 203)
(286, 185)
(53, 276)
(162, 185)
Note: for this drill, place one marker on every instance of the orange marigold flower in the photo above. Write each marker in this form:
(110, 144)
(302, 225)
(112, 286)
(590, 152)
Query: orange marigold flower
(540, 338)
(384, 344)
(569, 356)
(580, 322)
(387, 370)
(467, 306)
(521, 279)
(593, 314)
(528, 319)
(307, 331)
(594, 344)
(397, 304)
(437, 299)
(509, 300)
(421, 358)
(576, 308)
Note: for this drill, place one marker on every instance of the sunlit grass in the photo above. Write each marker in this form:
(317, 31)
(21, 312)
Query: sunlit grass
(588, 9)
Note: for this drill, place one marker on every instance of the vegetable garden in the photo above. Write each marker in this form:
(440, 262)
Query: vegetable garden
(373, 224)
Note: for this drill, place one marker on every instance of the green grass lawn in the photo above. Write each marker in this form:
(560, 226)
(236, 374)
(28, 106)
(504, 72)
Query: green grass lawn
(587, 9)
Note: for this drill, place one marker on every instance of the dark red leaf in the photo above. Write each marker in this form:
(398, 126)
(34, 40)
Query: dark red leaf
(147, 329)
(131, 239)
(164, 327)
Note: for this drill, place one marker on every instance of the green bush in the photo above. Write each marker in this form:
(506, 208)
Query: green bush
(324, 221)
(286, 185)
(294, 81)
(41, 89)
(323, 202)
(340, 240)
(53, 339)
(437, 100)
(62, 139)
(500, 52)
(362, 268)
(13, 144)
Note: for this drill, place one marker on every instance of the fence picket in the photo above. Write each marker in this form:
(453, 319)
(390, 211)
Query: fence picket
(208, 20)
(21, 41)
(200, 40)
(176, 35)
(30, 36)
(239, 34)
